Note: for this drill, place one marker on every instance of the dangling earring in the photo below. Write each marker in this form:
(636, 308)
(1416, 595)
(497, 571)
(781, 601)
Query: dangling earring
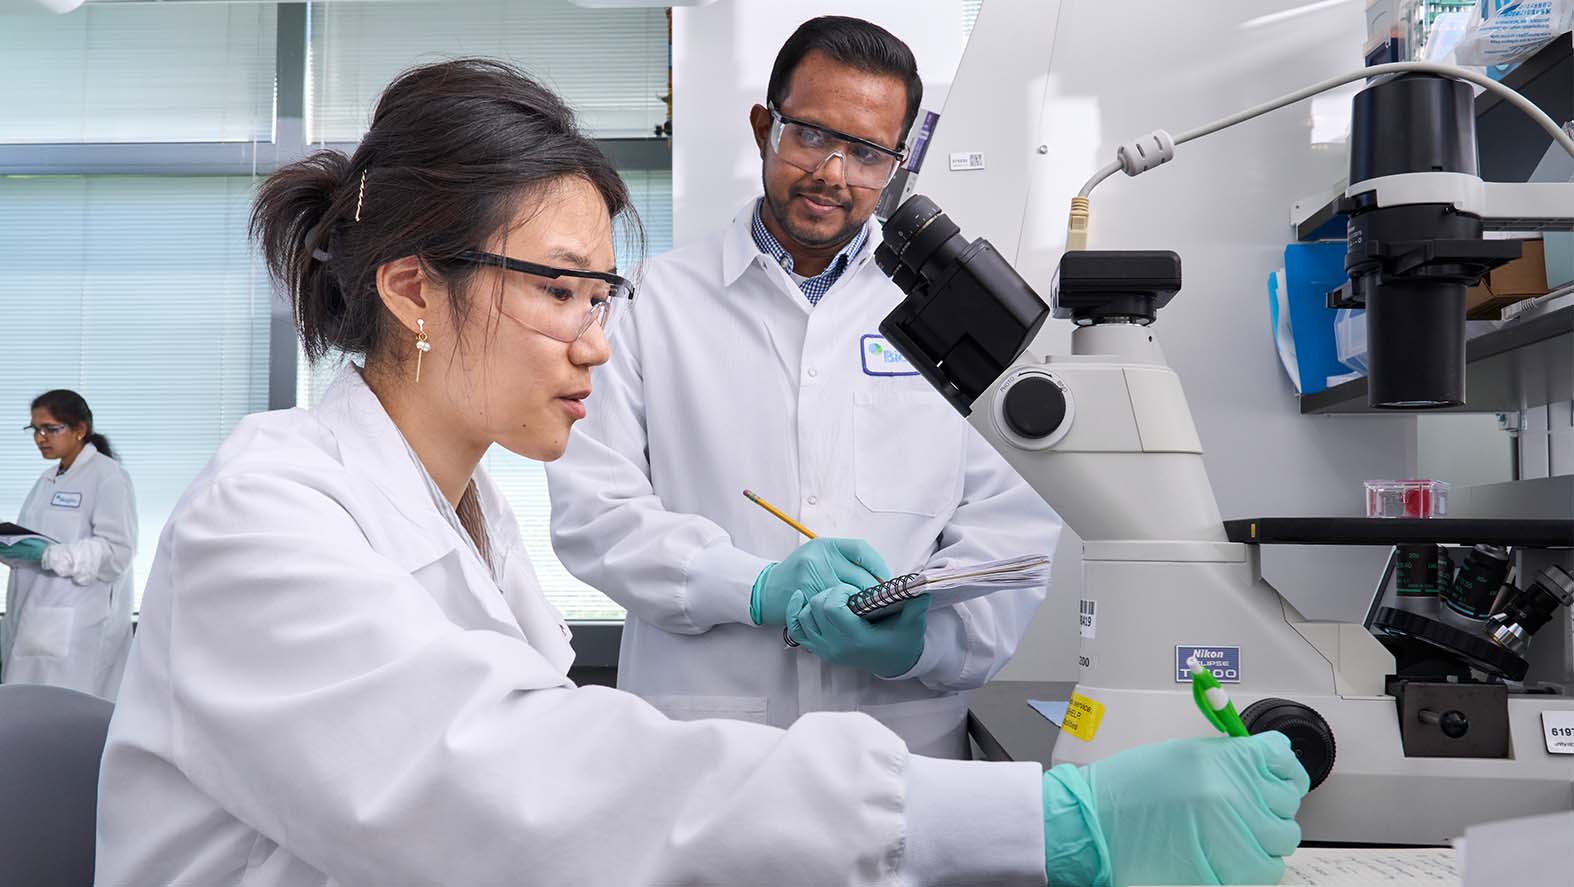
(422, 345)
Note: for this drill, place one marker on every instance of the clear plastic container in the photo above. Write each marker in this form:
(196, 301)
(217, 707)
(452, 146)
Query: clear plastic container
(1406, 498)
(1350, 338)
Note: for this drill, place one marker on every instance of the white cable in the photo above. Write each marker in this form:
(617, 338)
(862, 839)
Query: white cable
(1514, 98)
(1140, 155)
(1101, 175)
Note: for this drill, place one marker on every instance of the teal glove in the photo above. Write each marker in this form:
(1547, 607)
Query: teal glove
(1187, 811)
(885, 647)
(811, 568)
(25, 550)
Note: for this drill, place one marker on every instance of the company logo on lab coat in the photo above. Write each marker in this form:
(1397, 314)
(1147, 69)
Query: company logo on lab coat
(66, 500)
(880, 359)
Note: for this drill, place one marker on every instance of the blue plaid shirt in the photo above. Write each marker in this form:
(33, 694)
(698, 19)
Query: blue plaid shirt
(814, 288)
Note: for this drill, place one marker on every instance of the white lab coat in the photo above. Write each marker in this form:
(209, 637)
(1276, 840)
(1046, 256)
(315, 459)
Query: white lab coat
(727, 378)
(330, 687)
(68, 617)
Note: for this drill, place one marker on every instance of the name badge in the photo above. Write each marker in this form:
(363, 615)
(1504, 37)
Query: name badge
(880, 359)
(66, 500)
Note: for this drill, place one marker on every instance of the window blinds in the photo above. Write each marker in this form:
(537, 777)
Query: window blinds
(609, 64)
(139, 73)
(142, 294)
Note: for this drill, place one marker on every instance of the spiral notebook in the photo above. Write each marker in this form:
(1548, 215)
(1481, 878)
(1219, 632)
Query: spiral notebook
(951, 585)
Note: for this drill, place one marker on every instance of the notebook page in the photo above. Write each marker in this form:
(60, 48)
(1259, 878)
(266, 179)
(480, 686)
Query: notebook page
(1362, 867)
(958, 584)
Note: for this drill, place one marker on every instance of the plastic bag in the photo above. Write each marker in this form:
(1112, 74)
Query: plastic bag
(1505, 32)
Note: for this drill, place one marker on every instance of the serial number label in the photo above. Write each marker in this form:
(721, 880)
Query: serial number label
(1559, 729)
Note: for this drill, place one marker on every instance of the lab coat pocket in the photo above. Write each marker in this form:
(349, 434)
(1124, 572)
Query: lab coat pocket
(696, 708)
(936, 727)
(907, 452)
(44, 632)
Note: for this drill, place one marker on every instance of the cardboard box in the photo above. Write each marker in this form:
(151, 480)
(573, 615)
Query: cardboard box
(1524, 278)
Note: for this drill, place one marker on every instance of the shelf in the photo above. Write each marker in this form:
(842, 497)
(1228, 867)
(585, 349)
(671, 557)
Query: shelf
(1394, 531)
(1526, 363)
(1544, 497)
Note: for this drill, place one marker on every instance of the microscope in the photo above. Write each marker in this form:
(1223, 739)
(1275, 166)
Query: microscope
(1428, 716)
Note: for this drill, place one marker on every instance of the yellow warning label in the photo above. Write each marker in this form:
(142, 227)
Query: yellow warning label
(1082, 717)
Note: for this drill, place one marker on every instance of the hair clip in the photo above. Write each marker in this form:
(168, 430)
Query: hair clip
(321, 256)
(360, 197)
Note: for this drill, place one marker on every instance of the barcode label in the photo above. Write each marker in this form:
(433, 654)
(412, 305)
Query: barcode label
(965, 160)
(1087, 613)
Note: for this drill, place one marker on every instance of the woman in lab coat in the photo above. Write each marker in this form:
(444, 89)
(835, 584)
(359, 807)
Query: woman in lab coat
(346, 672)
(68, 603)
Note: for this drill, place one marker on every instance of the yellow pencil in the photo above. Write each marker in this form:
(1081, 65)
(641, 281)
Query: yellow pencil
(778, 512)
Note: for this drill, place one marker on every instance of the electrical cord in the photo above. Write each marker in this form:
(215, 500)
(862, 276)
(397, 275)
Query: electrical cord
(1158, 147)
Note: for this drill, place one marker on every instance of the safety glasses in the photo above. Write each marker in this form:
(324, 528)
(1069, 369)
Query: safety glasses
(808, 147)
(561, 303)
(49, 430)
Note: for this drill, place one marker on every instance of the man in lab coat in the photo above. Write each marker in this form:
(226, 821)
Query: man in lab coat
(755, 360)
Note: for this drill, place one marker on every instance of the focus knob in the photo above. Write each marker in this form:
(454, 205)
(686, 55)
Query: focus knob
(1310, 736)
(1034, 407)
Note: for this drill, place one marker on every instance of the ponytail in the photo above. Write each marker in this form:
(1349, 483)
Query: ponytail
(101, 443)
(293, 221)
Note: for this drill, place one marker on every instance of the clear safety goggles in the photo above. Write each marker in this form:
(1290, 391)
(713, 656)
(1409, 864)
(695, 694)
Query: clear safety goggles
(561, 303)
(49, 430)
(808, 147)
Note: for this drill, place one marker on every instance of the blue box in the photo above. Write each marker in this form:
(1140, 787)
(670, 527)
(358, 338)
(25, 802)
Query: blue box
(1311, 272)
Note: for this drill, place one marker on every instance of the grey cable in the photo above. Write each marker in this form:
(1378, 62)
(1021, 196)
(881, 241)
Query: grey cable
(1514, 98)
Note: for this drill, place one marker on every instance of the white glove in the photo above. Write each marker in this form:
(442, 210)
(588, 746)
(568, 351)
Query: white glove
(77, 561)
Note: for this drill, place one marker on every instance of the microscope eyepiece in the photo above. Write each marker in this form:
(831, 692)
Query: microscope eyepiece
(967, 314)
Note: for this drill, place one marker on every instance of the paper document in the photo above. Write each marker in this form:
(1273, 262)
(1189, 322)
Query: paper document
(1531, 850)
(1362, 867)
(953, 585)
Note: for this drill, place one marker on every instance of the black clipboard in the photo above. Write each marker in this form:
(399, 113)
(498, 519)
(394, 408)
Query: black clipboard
(8, 529)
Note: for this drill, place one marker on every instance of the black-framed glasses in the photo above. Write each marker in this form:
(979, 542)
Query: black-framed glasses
(808, 146)
(562, 303)
(49, 429)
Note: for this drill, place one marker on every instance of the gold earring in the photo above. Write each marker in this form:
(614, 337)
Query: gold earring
(422, 345)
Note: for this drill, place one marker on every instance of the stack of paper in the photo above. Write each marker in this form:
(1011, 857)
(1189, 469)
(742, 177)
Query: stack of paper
(1533, 850)
(953, 585)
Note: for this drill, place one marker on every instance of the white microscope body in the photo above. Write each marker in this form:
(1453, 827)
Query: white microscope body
(1121, 460)
(1126, 472)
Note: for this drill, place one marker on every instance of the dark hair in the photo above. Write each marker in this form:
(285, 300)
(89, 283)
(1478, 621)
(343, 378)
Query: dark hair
(855, 43)
(69, 407)
(453, 150)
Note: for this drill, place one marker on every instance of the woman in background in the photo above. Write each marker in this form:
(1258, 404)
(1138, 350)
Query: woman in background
(68, 602)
